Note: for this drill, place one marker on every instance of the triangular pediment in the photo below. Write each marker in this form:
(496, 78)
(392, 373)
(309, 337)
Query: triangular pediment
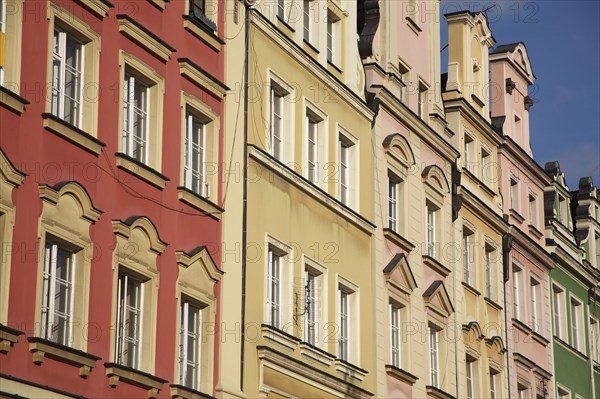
(398, 273)
(437, 299)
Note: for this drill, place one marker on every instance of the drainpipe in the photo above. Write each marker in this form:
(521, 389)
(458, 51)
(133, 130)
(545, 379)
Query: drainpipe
(507, 241)
(245, 192)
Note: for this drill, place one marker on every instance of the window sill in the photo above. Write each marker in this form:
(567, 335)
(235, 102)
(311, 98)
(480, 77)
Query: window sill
(73, 134)
(413, 25)
(483, 185)
(540, 338)
(285, 27)
(437, 393)
(524, 328)
(97, 7)
(141, 170)
(332, 67)
(310, 49)
(435, 265)
(181, 392)
(12, 101)
(202, 32)
(493, 304)
(117, 373)
(571, 349)
(43, 348)
(514, 213)
(8, 337)
(534, 230)
(397, 239)
(280, 337)
(471, 289)
(318, 355)
(200, 203)
(400, 374)
(160, 4)
(350, 370)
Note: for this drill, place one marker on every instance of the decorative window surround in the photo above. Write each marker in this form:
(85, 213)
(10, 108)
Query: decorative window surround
(43, 348)
(8, 338)
(141, 170)
(142, 36)
(202, 78)
(314, 354)
(97, 7)
(117, 373)
(285, 340)
(12, 101)
(71, 133)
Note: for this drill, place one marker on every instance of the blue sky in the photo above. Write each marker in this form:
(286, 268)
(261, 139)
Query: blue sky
(562, 40)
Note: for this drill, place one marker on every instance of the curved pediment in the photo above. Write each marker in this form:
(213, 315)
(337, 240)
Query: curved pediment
(435, 177)
(199, 257)
(498, 342)
(397, 147)
(474, 330)
(68, 196)
(140, 229)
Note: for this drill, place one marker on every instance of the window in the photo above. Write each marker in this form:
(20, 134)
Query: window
(533, 210)
(577, 338)
(73, 67)
(306, 20)
(562, 393)
(277, 115)
(430, 241)
(274, 288)
(393, 183)
(135, 118)
(562, 210)
(314, 144)
(597, 245)
(394, 335)
(558, 299)
(141, 113)
(333, 35)
(433, 356)
(518, 128)
(194, 172)
(468, 256)
(346, 169)
(67, 73)
(310, 320)
(404, 70)
(595, 339)
(521, 391)
(516, 285)
(190, 344)
(470, 382)
(493, 387)
(486, 172)
(58, 287)
(344, 315)
(281, 9)
(129, 320)
(536, 302)
(490, 272)
(205, 12)
(514, 194)
(469, 142)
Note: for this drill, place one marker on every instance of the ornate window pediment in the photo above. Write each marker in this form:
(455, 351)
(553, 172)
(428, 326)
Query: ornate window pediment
(437, 299)
(435, 178)
(398, 274)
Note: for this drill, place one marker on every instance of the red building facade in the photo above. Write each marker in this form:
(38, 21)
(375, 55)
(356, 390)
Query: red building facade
(111, 199)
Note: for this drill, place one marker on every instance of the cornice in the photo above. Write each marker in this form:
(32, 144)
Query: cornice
(525, 160)
(466, 110)
(405, 116)
(303, 59)
(475, 205)
(532, 248)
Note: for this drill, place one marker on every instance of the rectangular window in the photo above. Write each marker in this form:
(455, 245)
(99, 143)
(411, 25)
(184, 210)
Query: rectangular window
(485, 165)
(195, 155)
(67, 75)
(2, 39)
(516, 283)
(135, 118)
(344, 324)
(468, 151)
(306, 20)
(535, 305)
(469, 373)
(490, 272)
(313, 149)
(190, 342)
(433, 357)
(577, 324)
(514, 194)
(595, 339)
(129, 320)
(310, 327)
(492, 384)
(597, 245)
(558, 311)
(274, 289)
(392, 202)
(422, 99)
(467, 257)
(395, 335)
(562, 210)
(276, 133)
(57, 305)
(430, 223)
(532, 211)
(281, 9)
(344, 150)
(330, 39)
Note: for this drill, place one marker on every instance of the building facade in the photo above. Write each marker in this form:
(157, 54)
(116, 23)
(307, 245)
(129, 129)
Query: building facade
(110, 141)
(526, 263)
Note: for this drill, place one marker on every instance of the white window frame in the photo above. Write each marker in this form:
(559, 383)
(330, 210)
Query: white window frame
(344, 324)
(122, 341)
(190, 308)
(395, 315)
(192, 149)
(514, 193)
(490, 271)
(467, 256)
(469, 142)
(430, 232)
(535, 299)
(59, 72)
(307, 30)
(486, 156)
(3, 38)
(595, 339)
(316, 312)
(517, 287)
(559, 310)
(310, 319)
(434, 371)
(393, 188)
(577, 330)
(347, 166)
(133, 115)
(274, 272)
(493, 392)
(51, 284)
(469, 378)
